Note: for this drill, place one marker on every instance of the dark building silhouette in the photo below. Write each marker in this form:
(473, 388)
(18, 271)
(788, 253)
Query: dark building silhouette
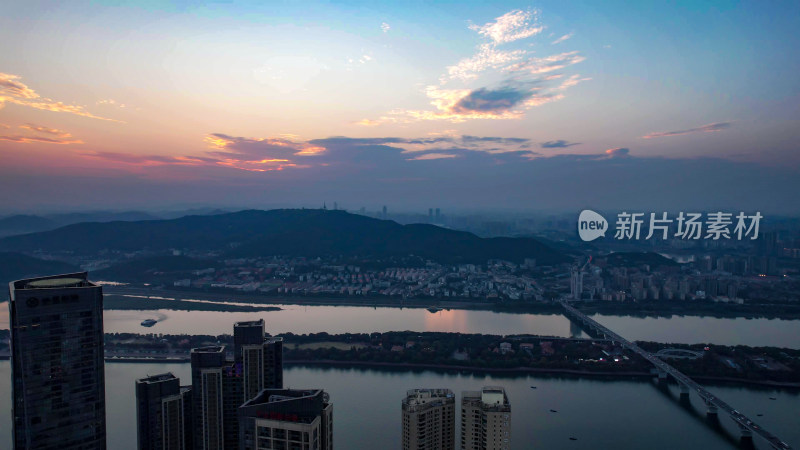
(232, 399)
(57, 363)
(261, 358)
(221, 385)
(287, 419)
(163, 412)
(207, 397)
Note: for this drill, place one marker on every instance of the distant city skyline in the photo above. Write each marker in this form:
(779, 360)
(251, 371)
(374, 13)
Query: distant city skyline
(514, 105)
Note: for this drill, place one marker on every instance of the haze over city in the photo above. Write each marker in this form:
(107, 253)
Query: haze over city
(545, 105)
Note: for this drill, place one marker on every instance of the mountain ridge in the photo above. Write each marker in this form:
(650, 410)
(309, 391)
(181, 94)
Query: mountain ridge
(296, 232)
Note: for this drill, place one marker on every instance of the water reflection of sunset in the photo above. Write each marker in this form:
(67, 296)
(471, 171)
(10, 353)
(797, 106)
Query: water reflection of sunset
(450, 321)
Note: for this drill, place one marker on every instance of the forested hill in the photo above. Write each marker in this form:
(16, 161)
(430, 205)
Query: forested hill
(302, 232)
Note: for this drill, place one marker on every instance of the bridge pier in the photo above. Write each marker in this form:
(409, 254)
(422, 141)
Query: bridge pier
(747, 435)
(684, 392)
(712, 409)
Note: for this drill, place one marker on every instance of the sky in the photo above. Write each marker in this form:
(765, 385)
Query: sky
(462, 105)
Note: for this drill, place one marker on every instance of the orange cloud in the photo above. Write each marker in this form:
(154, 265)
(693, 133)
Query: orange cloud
(57, 136)
(10, 85)
(29, 139)
(14, 91)
(46, 130)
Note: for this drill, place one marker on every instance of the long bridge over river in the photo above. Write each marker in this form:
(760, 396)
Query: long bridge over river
(714, 404)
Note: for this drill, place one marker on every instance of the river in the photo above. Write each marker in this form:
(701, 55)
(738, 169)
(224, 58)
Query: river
(359, 319)
(600, 414)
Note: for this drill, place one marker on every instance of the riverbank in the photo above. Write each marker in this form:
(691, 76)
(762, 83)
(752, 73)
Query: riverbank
(665, 309)
(478, 370)
(129, 303)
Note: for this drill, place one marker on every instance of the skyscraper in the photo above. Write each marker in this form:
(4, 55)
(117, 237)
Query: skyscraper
(221, 385)
(57, 363)
(161, 410)
(273, 363)
(576, 283)
(485, 419)
(287, 418)
(248, 349)
(261, 358)
(207, 397)
(429, 420)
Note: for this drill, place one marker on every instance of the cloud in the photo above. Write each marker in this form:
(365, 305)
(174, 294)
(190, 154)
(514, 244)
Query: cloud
(14, 91)
(619, 152)
(511, 26)
(54, 136)
(501, 80)
(111, 102)
(46, 130)
(385, 27)
(487, 100)
(149, 160)
(562, 38)
(45, 140)
(536, 66)
(487, 57)
(428, 156)
(332, 153)
(560, 143)
(10, 86)
(710, 128)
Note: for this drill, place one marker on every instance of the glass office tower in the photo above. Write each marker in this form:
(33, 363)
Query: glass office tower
(57, 363)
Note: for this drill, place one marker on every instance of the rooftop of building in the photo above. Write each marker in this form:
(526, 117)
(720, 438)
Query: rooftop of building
(249, 323)
(427, 397)
(157, 378)
(209, 349)
(283, 395)
(492, 398)
(68, 280)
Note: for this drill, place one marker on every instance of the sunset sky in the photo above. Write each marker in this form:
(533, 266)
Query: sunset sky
(462, 105)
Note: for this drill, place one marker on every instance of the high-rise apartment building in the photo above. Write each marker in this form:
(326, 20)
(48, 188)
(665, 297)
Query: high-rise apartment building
(208, 364)
(485, 419)
(429, 420)
(221, 385)
(576, 283)
(261, 358)
(163, 411)
(287, 419)
(57, 363)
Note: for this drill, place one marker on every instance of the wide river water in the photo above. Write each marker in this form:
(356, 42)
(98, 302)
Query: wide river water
(618, 414)
(358, 319)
